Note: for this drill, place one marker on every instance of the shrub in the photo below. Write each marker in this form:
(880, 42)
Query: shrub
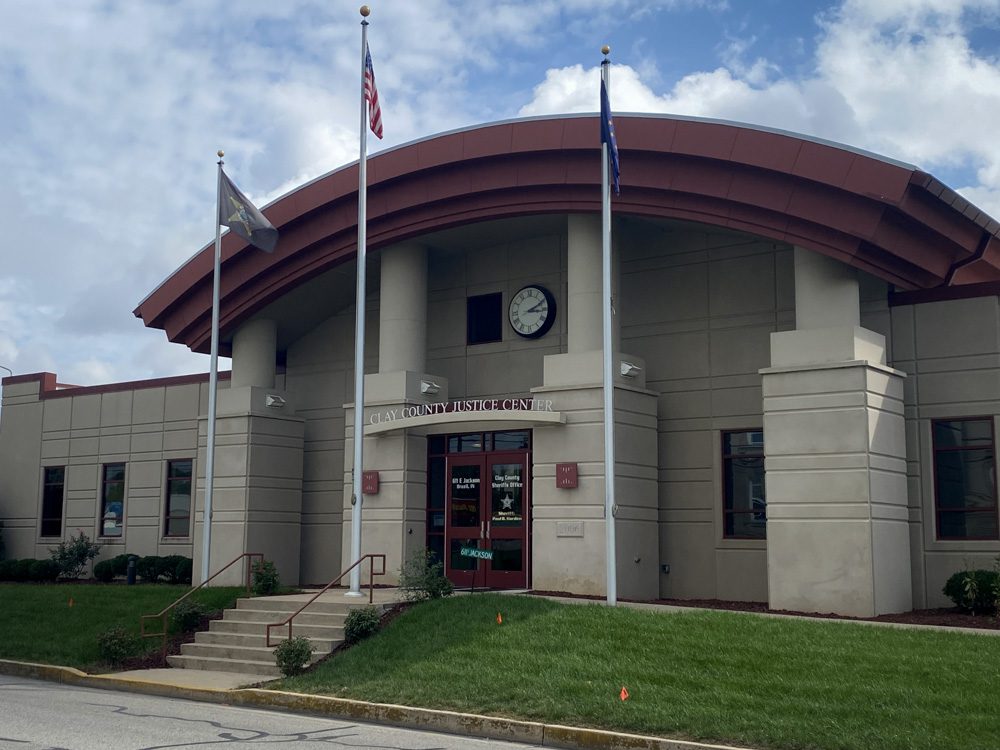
(170, 566)
(974, 591)
(292, 655)
(22, 570)
(72, 556)
(265, 578)
(43, 570)
(7, 568)
(148, 568)
(119, 564)
(104, 571)
(361, 623)
(184, 570)
(422, 577)
(116, 644)
(187, 615)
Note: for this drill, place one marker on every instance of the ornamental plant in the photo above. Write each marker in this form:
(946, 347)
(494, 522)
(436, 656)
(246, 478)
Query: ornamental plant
(361, 623)
(422, 577)
(73, 555)
(265, 578)
(292, 655)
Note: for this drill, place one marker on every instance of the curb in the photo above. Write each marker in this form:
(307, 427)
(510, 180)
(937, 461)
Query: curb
(428, 719)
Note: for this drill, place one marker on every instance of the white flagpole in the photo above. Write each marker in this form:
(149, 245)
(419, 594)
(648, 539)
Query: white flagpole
(357, 498)
(609, 383)
(213, 382)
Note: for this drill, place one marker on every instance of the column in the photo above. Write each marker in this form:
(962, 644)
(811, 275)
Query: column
(394, 520)
(837, 534)
(568, 532)
(257, 499)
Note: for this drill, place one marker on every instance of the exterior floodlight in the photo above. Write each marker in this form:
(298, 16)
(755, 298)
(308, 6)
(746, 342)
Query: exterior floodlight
(429, 388)
(274, 401)
(629, 369)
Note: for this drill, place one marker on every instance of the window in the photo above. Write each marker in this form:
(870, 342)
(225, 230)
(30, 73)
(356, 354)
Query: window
(53, 485)
(177, 519)
(965, 481)
(112, 499)
(744, 508)
(484, 318)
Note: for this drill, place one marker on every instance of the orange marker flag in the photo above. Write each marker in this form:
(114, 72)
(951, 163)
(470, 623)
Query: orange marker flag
(624, 693)
(70, 602)
(499, 619)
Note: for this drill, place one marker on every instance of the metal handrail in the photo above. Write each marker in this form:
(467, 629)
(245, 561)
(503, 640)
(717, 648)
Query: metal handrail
(162, 615)
(371, 592)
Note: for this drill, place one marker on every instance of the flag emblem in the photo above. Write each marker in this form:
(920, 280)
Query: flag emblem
(371, 96)
(608, 136)
(242, 217)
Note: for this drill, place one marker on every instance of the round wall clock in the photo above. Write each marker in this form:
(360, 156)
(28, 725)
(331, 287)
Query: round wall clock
(532, 311)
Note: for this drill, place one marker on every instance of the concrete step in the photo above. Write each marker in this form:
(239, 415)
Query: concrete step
(266, 669)
(282, 604)
(328, 632)
(215, 638)
(268, 616)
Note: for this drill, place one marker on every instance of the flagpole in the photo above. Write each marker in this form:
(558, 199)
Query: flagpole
(357, 498)
(213, 381)
(609, 393)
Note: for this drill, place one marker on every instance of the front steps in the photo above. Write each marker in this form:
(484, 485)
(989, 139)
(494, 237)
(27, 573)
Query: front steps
(237, 643)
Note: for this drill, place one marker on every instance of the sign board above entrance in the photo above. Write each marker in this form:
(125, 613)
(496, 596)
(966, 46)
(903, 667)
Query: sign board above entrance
(482, 554)
(465, 405)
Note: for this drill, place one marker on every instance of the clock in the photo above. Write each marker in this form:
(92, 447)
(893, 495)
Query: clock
(532, 311)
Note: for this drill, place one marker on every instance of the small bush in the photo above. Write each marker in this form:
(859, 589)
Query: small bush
(104, 571)
(119, 564)
(72, 556)
(422, 577)
(168, 568)
(148, 568)
(22, 570)
(115, 645)
(361, 623)
(974, 591)
(292, 655)
(265, 578)
(7, 568)
(187, 615)
(184, 570)
(43, 571)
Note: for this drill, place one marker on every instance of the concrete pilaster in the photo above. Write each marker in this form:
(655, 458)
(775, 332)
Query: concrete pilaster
(403, 309)
(834, 442)
(254, 347)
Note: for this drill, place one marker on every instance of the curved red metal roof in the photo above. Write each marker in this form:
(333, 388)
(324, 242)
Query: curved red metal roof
(887, 218)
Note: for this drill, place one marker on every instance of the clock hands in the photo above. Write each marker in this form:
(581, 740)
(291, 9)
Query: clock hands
(537, 308)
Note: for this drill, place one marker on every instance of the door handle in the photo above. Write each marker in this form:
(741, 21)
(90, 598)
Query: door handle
(487, 529)
(482, 530)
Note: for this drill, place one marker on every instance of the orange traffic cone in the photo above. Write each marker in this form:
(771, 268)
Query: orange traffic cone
(624, 693)
(499, 619)
(70, 602)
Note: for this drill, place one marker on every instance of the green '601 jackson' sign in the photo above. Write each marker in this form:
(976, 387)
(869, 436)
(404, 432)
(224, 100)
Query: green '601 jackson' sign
(482, 554)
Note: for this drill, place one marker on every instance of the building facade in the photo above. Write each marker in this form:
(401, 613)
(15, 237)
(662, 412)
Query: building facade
(807, 341)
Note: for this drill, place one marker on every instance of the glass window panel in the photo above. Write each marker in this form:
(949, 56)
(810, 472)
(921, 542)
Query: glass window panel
(52, 501)
(435, 483)
(179, 526)
(459, 561)
(465, 486)
(965, 479)
(435, 520)
(179, 469)
(466, 443)
(435, 444)
(435, 543)
(744, 500)
(507, 495)
(113, 500)
(511, 441)
(749, 442)
(746, 525)
(964, 433)
(508, 554)
(961, 525)
(114, 472)
(484, 319)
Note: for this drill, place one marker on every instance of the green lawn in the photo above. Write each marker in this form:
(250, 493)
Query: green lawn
(38, 624)
(703, 675)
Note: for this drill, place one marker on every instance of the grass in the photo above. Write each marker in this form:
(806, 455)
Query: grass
(715, 676)
(38, 623)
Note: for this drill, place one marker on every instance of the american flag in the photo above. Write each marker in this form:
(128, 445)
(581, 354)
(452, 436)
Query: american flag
(371, 96)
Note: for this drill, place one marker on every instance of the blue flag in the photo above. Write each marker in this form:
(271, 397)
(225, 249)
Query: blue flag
(608, 135)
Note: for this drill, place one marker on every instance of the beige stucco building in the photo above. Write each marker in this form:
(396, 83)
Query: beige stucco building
(807, 336)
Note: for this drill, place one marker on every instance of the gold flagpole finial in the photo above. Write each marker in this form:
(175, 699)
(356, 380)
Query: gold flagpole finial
(365, 11)
(605, 50)
(221, 153)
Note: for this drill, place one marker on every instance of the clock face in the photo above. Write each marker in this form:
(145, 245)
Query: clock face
(532, 311)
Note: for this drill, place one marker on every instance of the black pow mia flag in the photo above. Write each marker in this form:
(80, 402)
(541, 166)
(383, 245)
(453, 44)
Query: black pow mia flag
(242, 217)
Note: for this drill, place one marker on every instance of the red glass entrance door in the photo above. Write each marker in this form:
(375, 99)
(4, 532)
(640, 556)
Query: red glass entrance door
(487, 508)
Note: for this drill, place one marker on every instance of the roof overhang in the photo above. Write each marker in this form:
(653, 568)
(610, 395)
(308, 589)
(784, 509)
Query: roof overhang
(886, 218)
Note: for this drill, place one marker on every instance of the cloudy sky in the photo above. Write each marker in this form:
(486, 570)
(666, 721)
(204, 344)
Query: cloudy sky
(112, 111)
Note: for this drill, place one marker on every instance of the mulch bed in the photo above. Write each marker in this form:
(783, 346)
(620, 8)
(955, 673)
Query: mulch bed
(948, 617)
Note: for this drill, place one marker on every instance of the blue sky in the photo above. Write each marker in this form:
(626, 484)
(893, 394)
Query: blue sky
(113, 111)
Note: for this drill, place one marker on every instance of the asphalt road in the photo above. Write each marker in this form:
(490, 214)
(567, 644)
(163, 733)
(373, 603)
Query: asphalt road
(36, 715)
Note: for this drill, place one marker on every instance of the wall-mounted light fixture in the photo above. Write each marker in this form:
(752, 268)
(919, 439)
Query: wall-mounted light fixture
(274, 401)
(429, 388)
(629, 369)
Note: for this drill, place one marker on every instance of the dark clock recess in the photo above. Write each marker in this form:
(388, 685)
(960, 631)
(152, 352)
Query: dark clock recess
(532, 311)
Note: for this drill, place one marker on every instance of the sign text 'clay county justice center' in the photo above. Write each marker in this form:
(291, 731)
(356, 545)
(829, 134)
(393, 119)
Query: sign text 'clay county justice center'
(465, 405)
